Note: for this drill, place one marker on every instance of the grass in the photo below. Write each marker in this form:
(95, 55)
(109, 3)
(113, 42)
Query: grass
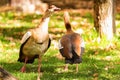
(99, 62)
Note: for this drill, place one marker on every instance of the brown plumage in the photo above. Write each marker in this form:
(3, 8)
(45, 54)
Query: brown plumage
(36, 41)
(71, 45)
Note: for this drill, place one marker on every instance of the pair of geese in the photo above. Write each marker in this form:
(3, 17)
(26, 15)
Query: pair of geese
(35, 43)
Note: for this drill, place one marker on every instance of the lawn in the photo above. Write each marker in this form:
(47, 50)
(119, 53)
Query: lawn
(99, 61)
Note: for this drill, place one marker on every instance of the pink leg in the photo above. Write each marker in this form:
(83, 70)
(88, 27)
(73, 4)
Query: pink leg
(76, 68)
(23, 69)
(66, 67)
(39, 66)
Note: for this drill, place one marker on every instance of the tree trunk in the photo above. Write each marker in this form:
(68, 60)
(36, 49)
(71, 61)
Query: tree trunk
(104, 18)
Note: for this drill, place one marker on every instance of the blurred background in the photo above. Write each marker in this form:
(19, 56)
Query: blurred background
(101, 60)
(39, 6)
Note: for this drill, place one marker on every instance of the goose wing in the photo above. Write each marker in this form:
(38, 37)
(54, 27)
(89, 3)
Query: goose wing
(25, 37)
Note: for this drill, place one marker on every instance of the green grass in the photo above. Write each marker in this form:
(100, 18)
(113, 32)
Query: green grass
(99, 63)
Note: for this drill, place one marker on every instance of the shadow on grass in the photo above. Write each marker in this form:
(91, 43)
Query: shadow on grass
(90, 68)
(12, 31)
(8, 34)
(86, 71)
(15, 33)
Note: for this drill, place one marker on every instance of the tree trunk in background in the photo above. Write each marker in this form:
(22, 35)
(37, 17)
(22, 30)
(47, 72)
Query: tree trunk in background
(30, 6)
(104, 19)
(5, 2)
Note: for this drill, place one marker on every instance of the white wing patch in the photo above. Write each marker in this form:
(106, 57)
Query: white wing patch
(25, 37)
(83, 43)
(59, 45)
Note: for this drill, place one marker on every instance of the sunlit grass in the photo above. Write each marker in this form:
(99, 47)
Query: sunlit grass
(99, 62)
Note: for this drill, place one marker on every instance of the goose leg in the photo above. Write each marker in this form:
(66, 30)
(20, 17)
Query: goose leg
(66, 67)
(76, 68)
(39, 66)
(23, 69)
